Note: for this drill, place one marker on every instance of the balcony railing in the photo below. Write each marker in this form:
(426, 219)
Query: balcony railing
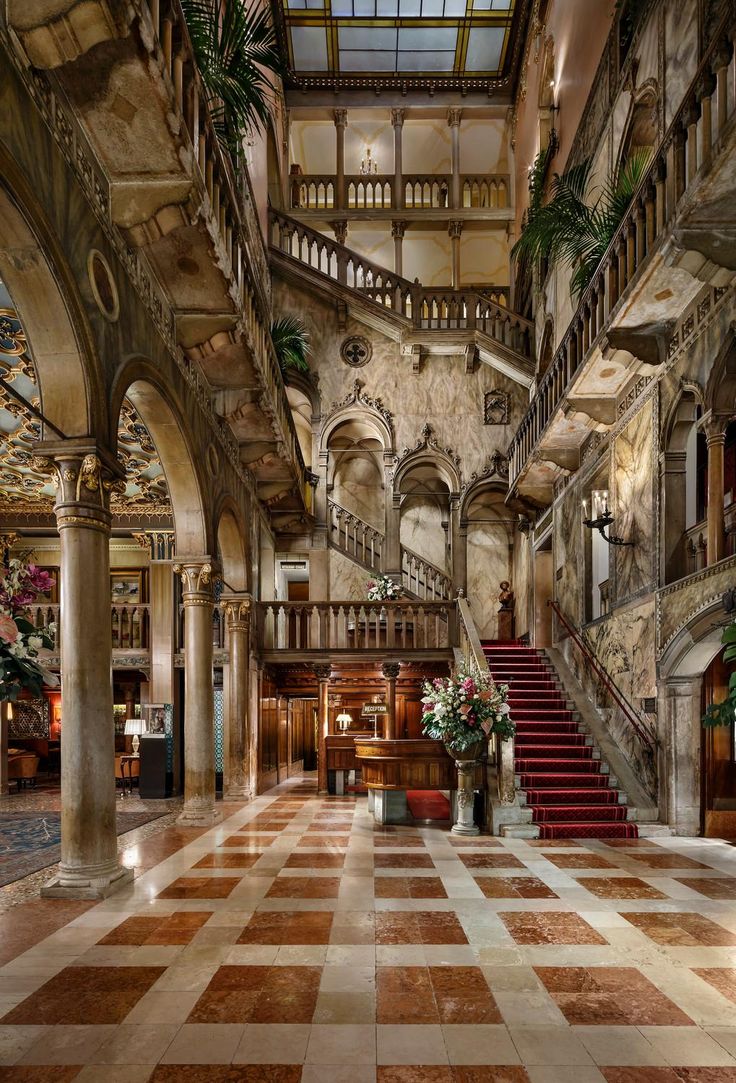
(130, 624)
(355, 626)
(686, 149)
(423, 309)
(421, 191)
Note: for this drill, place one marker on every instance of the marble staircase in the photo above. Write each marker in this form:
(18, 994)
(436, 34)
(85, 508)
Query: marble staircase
(560, 775)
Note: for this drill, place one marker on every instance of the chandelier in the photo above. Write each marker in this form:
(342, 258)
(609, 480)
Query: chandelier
(368, 164)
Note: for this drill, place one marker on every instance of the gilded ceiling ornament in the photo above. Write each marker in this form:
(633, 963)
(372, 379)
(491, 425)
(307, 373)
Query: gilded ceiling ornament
(13, 339)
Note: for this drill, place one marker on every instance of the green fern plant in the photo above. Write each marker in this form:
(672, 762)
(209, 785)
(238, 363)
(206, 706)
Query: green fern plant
(291, 343)
(575, 226)
(235, 47)
(724, 713)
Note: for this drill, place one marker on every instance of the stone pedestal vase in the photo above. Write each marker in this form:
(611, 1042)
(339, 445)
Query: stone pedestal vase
(465, 761)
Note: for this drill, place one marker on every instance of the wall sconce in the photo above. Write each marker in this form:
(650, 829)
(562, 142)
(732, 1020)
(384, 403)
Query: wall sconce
(600, 517)
(344, 721)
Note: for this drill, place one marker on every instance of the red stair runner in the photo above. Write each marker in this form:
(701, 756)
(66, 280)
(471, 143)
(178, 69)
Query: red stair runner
(568, 793)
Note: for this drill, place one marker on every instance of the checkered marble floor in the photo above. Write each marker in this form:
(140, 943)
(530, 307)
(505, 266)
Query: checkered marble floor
(297, 941)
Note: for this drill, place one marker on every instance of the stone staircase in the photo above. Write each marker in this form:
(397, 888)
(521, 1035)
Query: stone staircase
(560, 775)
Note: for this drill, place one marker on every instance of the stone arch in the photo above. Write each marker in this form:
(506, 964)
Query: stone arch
(641, 130)
(232, 546)
(428, 454)
(46, 298)
(163, 416)
(684, 455)
(358, 405)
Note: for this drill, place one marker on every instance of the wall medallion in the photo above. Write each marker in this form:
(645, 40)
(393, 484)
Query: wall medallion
(356, 351)
(496, 408)
(103, 285)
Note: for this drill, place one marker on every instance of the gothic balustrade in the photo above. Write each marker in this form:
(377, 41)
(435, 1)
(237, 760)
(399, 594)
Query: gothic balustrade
(355, 626)
(684, 153)
(375, 191)
(424, 579)
(130, 624)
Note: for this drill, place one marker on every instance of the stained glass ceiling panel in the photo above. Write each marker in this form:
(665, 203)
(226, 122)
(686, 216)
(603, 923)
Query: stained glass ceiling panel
(369, 42)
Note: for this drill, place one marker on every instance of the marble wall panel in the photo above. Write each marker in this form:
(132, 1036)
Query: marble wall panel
(422, 530)
(358, 487)
(681, 51)
(442, 393)
(632, 503)
(347, 579)
(568, 555)
(489, 561)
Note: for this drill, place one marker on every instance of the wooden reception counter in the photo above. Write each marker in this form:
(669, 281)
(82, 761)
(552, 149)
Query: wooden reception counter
(408, 765)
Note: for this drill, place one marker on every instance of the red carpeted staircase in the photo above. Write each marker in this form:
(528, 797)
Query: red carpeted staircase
(566, 785)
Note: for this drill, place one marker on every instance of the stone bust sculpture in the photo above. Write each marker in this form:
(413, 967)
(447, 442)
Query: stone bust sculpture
(505, 596)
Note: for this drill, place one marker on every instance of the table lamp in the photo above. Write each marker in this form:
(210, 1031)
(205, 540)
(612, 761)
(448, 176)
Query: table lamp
(133, 728)
(344, 720)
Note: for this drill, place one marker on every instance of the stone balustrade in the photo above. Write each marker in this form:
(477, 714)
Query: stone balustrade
(355, 626)
(426, 309)
(377, 191)
(129, 622)
(679, 162)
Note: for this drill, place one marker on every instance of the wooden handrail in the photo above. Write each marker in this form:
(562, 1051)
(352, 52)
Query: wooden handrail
(605, 678)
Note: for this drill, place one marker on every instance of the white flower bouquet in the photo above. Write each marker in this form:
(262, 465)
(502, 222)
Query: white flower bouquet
(383, 589)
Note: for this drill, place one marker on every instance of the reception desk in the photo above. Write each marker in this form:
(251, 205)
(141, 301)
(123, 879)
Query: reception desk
(390, 768)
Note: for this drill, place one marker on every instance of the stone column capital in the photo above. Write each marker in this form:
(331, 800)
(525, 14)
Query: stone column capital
(323, 672)
(397, 117)
(238, 612)
(84, 475)
(391, 670)
(340, 229)
(715, 430)
(455, 229)
(196, 579)
(398, 228)
(454, 116)
(340, 117)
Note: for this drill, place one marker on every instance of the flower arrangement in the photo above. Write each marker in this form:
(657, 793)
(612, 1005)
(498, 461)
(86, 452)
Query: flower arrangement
(383, 589)
(21, 642)
(465, 708)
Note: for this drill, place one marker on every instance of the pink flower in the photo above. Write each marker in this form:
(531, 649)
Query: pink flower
(465, 710)
(8, 628)
(40, 579)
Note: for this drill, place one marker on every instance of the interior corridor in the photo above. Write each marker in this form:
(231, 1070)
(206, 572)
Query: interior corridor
(297, 941)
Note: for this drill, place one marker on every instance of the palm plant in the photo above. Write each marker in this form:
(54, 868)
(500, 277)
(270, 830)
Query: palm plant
(576, 229)
(291, 342)
(235, 47)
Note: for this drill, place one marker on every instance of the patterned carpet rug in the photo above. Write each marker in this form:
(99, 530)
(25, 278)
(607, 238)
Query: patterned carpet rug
(29, 841)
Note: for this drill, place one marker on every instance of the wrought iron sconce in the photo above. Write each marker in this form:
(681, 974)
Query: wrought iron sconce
(601, 518)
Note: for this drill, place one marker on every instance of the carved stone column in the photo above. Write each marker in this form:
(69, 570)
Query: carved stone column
(237, 614)
(455, 232)
(454, 117)
(716, 441)
(397, 120)
(89, 867)
(397, 232)
(390, 672)
(323, 674)
(199, 705)
(340, 117)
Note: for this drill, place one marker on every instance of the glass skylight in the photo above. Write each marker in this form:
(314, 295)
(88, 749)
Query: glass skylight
(391, 37)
